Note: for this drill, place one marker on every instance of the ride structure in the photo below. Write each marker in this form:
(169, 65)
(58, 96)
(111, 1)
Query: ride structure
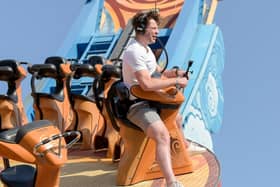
(187, 33)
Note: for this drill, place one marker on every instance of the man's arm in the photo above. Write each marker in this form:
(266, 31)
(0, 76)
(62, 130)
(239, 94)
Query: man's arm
(149, 83)
(174, 72)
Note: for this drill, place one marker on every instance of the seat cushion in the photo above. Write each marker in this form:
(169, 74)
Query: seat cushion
(18, 176)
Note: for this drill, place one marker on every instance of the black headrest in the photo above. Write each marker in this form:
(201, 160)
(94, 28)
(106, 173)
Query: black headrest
(83, 70)
(8, 66)
(93, 60)
(6, 73)
(109, 71)
(44, 70)
(57, 61)
(51, 68)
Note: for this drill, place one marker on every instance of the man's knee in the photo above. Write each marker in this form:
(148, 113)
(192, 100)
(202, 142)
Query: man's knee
(158, 132)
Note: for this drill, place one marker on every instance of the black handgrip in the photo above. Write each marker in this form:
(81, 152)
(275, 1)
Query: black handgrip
(188, 69)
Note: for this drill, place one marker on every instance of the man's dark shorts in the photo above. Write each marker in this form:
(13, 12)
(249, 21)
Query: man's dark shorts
(142, 115)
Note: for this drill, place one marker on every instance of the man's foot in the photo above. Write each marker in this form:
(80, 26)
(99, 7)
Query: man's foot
(195, 148)
(175, 184)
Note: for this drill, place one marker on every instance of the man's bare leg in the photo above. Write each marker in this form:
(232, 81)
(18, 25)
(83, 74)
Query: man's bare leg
(179, 122)
(158, 132)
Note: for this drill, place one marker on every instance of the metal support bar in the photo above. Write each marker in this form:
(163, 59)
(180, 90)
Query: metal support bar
(211, 12)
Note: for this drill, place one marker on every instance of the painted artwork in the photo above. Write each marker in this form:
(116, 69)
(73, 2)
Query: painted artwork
(117, 12)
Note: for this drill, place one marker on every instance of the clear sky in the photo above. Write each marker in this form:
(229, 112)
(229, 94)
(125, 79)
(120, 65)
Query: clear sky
(248, 143)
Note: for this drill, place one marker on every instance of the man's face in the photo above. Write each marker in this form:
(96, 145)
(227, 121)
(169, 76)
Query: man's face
(151, 31)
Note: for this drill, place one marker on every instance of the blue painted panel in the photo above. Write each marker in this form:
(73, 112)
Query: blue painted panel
(86, 24)
(203, 109)
(190, 39)
(183, 34)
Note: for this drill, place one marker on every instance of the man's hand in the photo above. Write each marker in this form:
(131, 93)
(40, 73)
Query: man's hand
(181, 82)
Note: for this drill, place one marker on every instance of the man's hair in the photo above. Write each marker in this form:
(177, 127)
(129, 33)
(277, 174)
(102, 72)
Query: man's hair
(141, 19)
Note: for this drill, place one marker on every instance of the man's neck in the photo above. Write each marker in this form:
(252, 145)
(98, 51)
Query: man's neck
(142, 41)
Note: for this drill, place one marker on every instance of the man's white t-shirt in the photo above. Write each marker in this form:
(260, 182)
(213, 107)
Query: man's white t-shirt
(135, 58)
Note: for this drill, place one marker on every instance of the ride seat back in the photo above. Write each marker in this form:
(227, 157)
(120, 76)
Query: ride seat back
(50, 69)
(11, 107)
(120, 103)
(9, 73)
(108, 75)
(90, 121)
(54, 106)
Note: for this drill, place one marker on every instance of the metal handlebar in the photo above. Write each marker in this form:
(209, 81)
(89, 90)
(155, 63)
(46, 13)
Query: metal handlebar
(54, 137)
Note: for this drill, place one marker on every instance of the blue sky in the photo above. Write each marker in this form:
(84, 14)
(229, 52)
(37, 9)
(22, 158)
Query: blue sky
(247, 145)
